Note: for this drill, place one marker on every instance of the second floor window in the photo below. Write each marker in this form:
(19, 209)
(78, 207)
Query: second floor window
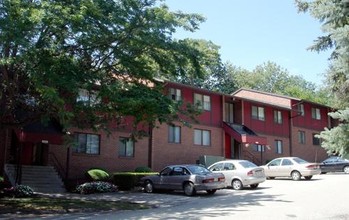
(278, 147)
(86, 143)
(203, 101)
(175, 94)
(301, 109)
(174, 134)
(315, 113)
(126, 147)
(87, 98)
(202, 137)
(301, 137)
(258, 113)
(277, 117)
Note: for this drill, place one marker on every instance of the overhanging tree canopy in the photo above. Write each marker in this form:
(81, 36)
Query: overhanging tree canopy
(334, 15)
(50, 49)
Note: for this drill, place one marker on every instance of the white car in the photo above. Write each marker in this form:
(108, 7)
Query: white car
(293, 167)
(239, 173)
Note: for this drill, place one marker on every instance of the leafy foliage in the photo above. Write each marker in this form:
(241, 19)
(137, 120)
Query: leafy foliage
(20, 191)
(96, 187)
(334, 15)
(98, 174)
(143, 170)
(49, 50)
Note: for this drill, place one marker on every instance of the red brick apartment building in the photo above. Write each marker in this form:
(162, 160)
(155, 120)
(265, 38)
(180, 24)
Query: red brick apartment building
(247, 124)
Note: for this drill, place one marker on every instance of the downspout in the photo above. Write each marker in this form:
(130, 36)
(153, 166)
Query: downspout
(150, 146)
(290, 133)
(223, 119)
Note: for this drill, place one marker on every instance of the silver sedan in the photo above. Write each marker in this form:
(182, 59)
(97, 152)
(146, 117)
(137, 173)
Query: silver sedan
(293, 167)
(189, 178)
(239, 173)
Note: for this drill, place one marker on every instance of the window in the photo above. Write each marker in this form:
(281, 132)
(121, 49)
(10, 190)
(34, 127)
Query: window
(259, 148)
(315, 113)
(301, 137)
(258, 113)
(301, 109)
(86, 143)
(286, 162)
(203, 101)
(316, 140)
(229, 112)
(174, 134)
(175, 94)
(126, 147)
(278, 146)
(87, 98)
(277, 117)
(202, 137)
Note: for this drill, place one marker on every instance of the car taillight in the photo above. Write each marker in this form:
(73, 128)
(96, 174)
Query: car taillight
(221, 179)
(250, 173)
(208, 180)
(312, 166)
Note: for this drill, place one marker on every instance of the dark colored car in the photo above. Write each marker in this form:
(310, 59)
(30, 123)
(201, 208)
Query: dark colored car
(335, 164)
(189, 178)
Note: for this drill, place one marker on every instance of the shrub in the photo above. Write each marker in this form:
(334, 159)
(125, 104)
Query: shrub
(96, 187)
(143, 170)
(20, 191)
(98, 174)
(128, 180)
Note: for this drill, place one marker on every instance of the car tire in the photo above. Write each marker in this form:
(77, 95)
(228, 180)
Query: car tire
(346, 169)
(308, 177)
(254, 186)
(211, 191)
(148, 186)
(296, 175)
(189, 189)
(236, 184)
(270, 178)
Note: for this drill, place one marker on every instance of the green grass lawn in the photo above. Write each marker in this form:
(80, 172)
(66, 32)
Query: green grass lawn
(43, 205)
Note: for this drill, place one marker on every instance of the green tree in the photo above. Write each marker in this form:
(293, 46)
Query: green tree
(334, 16)
(50, 49)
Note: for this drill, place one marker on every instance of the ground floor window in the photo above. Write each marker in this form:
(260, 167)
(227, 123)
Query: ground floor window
(126, 147)
(278, 147)
(202, 137)
(174, 134)
(87, 143)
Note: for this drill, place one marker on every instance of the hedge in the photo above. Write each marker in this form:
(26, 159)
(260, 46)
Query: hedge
(128, 180)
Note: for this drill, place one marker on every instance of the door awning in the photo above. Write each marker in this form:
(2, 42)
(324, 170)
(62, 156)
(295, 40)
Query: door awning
(243, 134)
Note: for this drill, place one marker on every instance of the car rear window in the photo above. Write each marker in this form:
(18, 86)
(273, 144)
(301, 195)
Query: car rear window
(198, 170)
(300, 161)
(247, 164)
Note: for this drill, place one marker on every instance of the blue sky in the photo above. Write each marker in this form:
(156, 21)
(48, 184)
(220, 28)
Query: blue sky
(251, 32)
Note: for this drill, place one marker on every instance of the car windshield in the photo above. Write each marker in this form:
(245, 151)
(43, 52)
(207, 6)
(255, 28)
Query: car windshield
(299, 160)
(198, 170)
(247, 164)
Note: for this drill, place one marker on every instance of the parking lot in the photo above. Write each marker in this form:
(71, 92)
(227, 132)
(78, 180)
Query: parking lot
(323, 197)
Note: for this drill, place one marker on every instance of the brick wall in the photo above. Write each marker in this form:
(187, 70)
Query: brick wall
(165, 153)
(307, 151)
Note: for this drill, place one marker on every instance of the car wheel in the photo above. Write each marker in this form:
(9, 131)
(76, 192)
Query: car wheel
(308, 177)
(296, 175)
(148, 186)
(236, 184)
(189, 189)
(346, 169)
(323, 172)
(270, 178)
(254, 186)
(211, 192)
